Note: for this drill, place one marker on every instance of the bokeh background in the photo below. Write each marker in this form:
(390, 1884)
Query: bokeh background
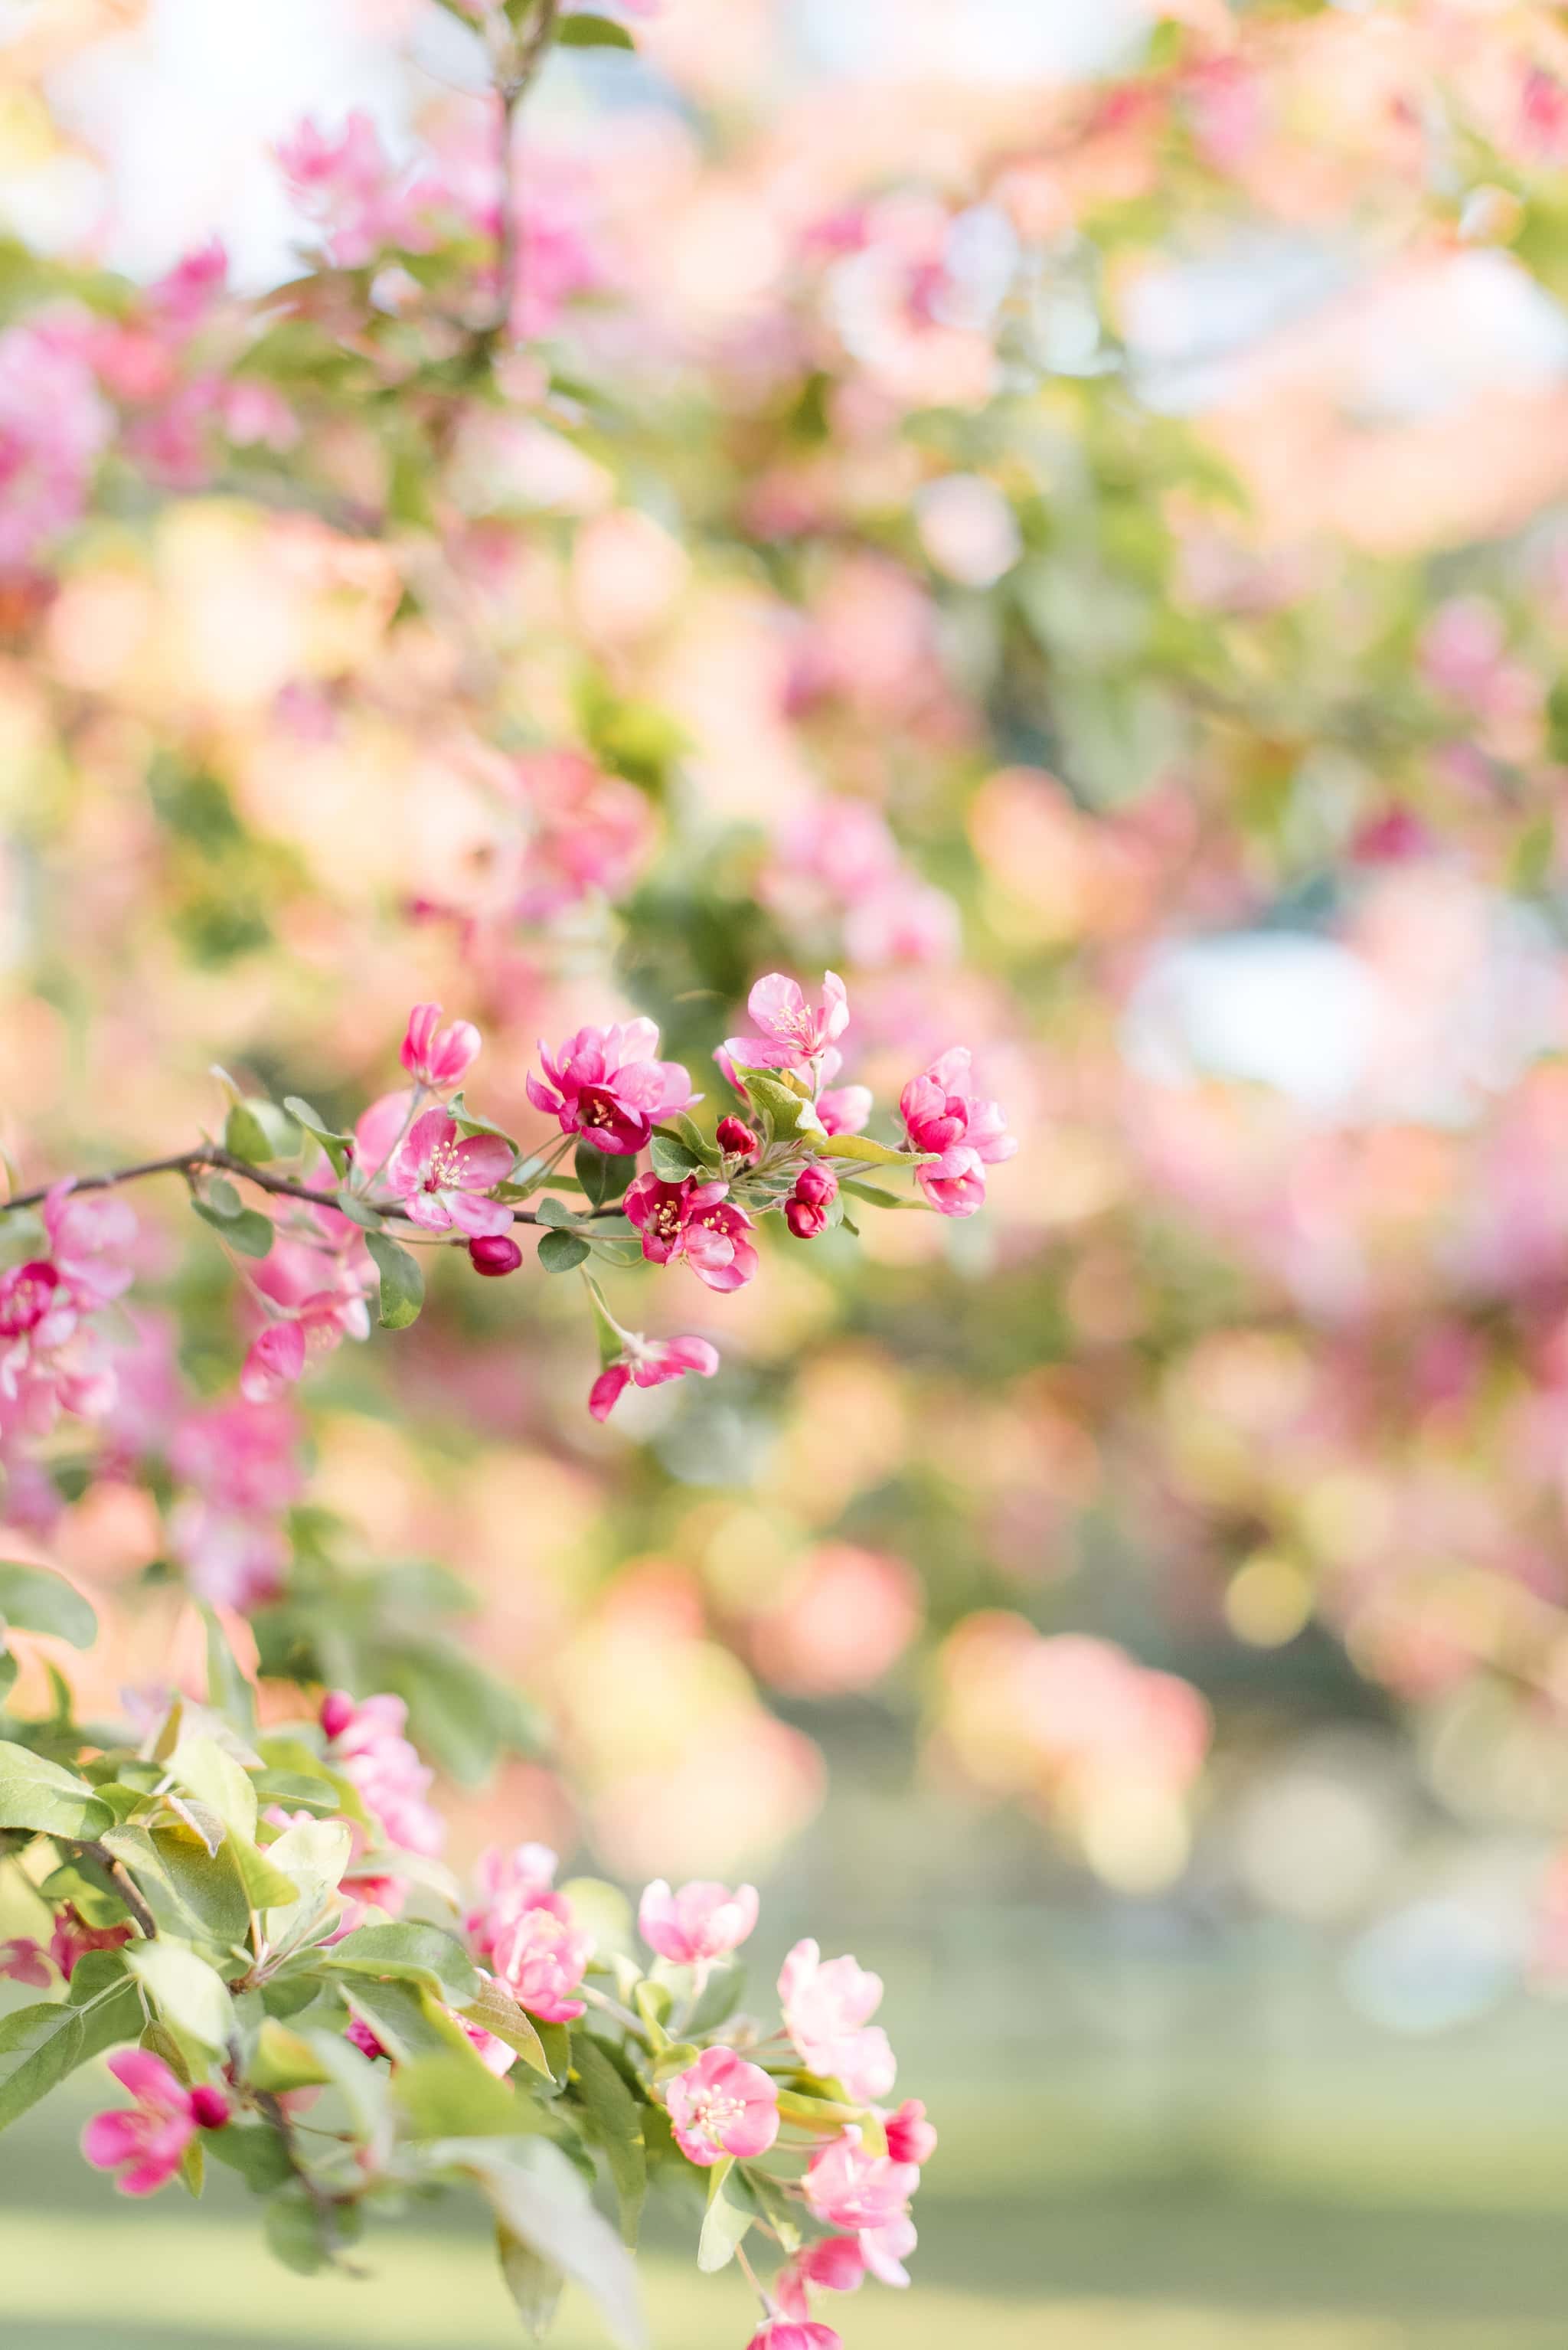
(1057, 513)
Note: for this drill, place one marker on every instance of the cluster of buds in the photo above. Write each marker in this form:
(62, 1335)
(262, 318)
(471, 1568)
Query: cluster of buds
(422, 1169)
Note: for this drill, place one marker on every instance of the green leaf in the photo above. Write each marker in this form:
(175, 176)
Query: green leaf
(228, 1690)
(258, 1131)
(449, 2096)
(284, 2060)
(672, 1162)
(336, 1146)
(408, 1953)
(559, 1251)
(201, 1767)
(496, 2010)
(402, 1281)
(681, 1128)
(787, 1112)
(40, 2044)
(358, 1210)
(534, 2282)
(862, 1148)
(186, 1991)
(556, 1212)
(250, 1231)
(41, 1795)
(586, 31)
(36, 1600)
(266, 1884)
(313, 1856)
(876, 1198)
(604, 1175)
(731, 2208)
(721, 1995)
(407, 2020)
(294, 2232)
(193, 1894)
(258, 2154)
(615, 2122)
(538, 2197)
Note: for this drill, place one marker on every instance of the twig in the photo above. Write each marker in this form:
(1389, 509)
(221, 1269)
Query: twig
(124, 1886)
(187, 1163)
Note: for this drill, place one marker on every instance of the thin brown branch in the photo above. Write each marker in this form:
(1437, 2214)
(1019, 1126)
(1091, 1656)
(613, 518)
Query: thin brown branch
(124, 1885)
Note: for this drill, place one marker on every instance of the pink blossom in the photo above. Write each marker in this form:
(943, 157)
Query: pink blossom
(795, 1033)
(827, 2011)
(275, 1361)
(700, 1922)
(844, 1109)
(866, 2194)
(910, 2138)
(49, 1362)
(495, 1254)
(832, 2264)
(89, 1235)
(255, 415)
(147, 2144)
(735, 1137)
(320, 1287)
(694, 1220)
(942, 1115)
(721, 2105)
(231, 1560)
(604, 1085)
(440, 1175)
(245, 1455)
(350, 186)
(23, 1960)
(53, 427)
(541, 1955)
(366, 1743)
(185, 295)
(73, 1937)
(909, 921)
(649, 1363)
(509, 1883)
(787, 2334)
(590, 832)
(437, 1057)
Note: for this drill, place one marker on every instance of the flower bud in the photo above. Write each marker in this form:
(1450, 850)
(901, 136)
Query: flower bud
(816, 1184)
(736, 1137)
(209, 2107)
(803, 1219)
(495, 1254)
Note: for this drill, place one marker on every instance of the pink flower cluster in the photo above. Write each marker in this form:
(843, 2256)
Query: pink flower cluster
(52, 1358)
(837, 863)
(365, 1740)
(942, 1114)
(605, 1085)
(527, 1932)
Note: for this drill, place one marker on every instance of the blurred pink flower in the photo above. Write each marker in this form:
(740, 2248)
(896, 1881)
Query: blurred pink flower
(589, 832)
(910, 2136)
(365, 1740)
(604, 1085)
(703, 1922)
(793, 1033)
(147, 2144)
(509, 1881)
(89, 1233)
(785, 2334)
(73, 1937)
(826, 2012)
(541, 1955)
(847, 1618)
(721, 2105)
(437, 1057)
(865, 2193)
(53, 427)
(350, 187)
(832, 2264)
(23, 1960)
(649, 1363)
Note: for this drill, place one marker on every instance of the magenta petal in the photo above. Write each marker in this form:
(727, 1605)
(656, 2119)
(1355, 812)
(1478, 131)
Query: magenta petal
(482, 1160)
(110, 2139)
(147, 2078)
(480, 1219)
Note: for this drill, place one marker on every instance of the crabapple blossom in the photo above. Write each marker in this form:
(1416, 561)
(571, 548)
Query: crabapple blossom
(148, 2144)
(541, 1955)
(696, 1220)
(495, 1254)
(509, 1882)
(735, 1137)
(793, 1033)
(89, 1235)
(700, 1922)
(22, 1960)
(649, 1363)
(722, 2105)
(867, 2195)
(790, 2334)
(831, 2264)
(942, 1115)
(815, 1188)
(910, 2138)
(439, 1176)
(54, 426)
(365, 1740)
(73, 1937)
(434, 1055)
(826, 2012)
(843, 1109)
(604, 1085)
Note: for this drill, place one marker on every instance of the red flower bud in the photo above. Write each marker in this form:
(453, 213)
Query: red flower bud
(735, 1136)
(209, 2107)
(495, 1254)
(803, 1219)
(816, 1185)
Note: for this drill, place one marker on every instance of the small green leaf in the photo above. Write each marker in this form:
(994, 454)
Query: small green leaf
(534, 2282)
(731, 2208)
(215, 1779)
(586, 31)
(42, 1796)
(538, 2197)
(559, 1251)
(229, 1692)
(408, 1953)
(258, 2154)
(336, 1146)
(878, 1198)
(358, 1210)
(615, 2120)
(249, 1231)
(266, 1884)
(258, 1131)
(35, 1599)
(403, 1281)
(40, 2044)
(672, 1162)
(453, 2096)
(868, 1152)
(282, 2060)
(497, 2012)
(603, 1174)
(556, 1212)
(186, 1991)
